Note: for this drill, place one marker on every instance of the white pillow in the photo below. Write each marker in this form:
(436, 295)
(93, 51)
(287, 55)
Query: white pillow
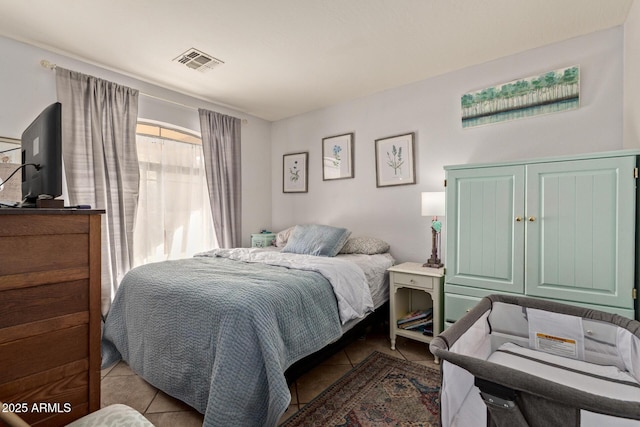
(283, 237)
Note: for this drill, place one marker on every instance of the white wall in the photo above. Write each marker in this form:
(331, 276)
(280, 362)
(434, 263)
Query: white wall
(431, 109)
(26, 88)
(631, 80)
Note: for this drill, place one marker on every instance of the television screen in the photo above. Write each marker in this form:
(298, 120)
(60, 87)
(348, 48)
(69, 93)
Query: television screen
(42, 146)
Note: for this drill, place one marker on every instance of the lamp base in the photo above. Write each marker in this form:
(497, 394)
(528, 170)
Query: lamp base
(433, 263)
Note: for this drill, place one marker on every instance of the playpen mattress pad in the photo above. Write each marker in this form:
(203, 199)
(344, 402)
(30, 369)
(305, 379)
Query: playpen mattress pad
(608, 381)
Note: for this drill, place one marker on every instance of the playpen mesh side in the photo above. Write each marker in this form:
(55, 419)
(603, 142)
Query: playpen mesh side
(469, 342)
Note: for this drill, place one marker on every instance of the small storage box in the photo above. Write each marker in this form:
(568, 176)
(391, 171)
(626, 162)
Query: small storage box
(262, 240)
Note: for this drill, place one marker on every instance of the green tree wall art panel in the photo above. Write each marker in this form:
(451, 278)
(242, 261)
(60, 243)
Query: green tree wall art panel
(550, 92)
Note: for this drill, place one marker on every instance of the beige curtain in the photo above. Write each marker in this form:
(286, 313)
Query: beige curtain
(101, 164)
(221, 146)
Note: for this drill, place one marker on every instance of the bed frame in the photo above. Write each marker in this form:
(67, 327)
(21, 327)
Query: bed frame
(377, 319)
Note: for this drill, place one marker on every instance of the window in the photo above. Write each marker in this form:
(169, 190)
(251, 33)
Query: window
(174, 215)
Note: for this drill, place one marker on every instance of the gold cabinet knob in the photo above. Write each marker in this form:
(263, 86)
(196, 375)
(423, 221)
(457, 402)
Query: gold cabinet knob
(532, 218)
(518, 219)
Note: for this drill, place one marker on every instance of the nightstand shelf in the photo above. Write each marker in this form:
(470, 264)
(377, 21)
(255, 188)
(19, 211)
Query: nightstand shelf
(414, 287)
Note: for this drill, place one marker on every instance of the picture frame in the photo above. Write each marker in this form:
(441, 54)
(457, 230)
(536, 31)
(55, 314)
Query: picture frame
(337, 157)
(395, 160)
(550, 92)
(295, 172)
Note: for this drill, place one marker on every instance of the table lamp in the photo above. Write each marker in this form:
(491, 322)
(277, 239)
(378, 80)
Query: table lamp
(433, 206)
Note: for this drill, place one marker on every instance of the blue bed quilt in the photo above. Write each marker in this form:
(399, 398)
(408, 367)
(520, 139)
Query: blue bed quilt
(218, 333)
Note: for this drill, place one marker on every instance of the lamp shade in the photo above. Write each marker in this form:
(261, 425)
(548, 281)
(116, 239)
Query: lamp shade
(433, 203)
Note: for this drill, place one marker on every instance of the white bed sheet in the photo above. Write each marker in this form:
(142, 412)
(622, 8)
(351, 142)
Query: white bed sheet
(375, 271)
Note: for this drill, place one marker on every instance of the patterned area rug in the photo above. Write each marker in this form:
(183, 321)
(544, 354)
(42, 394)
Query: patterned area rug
(380, 391)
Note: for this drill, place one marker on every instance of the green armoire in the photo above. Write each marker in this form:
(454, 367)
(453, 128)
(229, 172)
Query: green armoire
(563, 229)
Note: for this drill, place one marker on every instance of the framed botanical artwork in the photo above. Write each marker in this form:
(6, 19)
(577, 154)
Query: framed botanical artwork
(295, 172)
(337, 157)
(395, 163)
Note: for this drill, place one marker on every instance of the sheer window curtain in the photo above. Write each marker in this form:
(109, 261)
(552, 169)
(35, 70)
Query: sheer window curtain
(101, 163)
(174, 213)
(221, 146)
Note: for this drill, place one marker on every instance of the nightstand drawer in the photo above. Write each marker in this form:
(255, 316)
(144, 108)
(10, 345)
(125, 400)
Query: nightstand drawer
(424, 282)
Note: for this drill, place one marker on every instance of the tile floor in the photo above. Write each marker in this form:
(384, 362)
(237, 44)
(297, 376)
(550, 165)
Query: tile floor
(121, 385)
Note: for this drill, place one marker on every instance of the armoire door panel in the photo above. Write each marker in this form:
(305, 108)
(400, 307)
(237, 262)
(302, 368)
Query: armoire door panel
(483, 205)
(575, 248)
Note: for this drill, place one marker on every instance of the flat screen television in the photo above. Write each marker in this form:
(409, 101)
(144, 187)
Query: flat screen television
(42, 157)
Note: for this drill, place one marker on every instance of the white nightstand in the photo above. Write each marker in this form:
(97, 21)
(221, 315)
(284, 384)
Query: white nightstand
(414, 287)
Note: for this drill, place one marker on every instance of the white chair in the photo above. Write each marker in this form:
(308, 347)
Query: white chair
(110, 416)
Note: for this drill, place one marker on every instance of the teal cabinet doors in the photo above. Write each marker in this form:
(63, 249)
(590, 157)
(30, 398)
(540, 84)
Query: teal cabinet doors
(485, 241)
(561, 229)
(581, 244)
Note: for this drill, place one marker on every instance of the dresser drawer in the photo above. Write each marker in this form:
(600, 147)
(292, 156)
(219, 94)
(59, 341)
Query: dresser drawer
(25, 305)
(424, 282)
(43, 352)
(44, 253)
(456, 306)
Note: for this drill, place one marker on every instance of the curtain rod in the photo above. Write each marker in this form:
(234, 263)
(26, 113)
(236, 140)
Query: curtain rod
(10, 149)
(51, 66)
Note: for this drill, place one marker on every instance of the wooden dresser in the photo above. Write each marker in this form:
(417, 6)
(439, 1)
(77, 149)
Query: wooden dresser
(50, 313)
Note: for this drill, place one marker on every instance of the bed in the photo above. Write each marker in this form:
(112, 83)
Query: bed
(219, 330)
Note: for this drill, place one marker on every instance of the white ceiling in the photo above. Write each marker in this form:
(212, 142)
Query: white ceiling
(286, 57)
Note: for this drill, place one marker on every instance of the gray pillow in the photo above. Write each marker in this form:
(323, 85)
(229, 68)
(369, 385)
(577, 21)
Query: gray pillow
(365, 245)
(315, 239)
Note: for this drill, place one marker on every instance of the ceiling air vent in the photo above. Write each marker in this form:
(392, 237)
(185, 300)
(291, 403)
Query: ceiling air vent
(197, 60)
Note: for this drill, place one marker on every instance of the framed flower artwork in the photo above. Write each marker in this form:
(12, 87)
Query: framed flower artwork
(395, 164)
(337, 157)
(295, 172)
